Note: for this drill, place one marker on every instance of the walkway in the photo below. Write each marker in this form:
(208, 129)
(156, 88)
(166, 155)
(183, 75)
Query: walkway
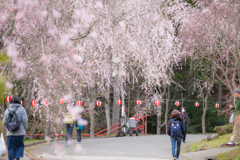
(150, 147)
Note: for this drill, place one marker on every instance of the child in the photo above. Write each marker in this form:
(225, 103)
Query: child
(79, 129)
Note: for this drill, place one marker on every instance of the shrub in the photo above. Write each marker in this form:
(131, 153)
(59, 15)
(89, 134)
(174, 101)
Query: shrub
(225, 129)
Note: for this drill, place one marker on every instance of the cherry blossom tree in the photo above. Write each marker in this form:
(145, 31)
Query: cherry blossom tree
(211, 32)
(61, 49)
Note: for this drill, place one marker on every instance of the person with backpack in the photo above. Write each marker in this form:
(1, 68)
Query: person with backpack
(176, 130)
(16, 122)
(185, 116)
(68, 120)
(79, 127)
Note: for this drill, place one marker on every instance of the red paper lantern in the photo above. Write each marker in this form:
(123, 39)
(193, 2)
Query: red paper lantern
(139, 102)
(79, 103)
(99, 103)
(119, 102)
(157, 103)
(33, 103)
(46, 102)
(216, 105)
(21, 102)
(196, 104)
(8, 99)
(177, 103)
(61, 101)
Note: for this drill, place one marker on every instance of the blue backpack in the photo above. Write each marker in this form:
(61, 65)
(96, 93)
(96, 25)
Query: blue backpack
(176, 130)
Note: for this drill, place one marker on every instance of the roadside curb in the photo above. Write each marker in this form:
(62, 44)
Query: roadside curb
(206, 154)
(36, 143)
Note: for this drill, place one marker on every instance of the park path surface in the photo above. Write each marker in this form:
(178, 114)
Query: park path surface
(150, 147)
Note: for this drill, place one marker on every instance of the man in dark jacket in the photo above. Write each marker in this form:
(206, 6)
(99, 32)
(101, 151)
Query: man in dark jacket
(176, 138)
(185, 116)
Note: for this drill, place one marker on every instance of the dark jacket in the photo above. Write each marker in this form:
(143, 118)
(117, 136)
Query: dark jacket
(181, 123)
(184, 115)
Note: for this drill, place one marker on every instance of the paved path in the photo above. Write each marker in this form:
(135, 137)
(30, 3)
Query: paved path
(151, 147)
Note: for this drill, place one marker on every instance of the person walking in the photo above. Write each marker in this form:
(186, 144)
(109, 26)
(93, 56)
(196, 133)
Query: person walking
(68, 120)
(236, 128)
(176, 130)
(15, 116)
(185, 116)
(79, 127)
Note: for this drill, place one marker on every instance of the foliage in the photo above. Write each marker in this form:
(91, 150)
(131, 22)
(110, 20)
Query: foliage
(230, 155)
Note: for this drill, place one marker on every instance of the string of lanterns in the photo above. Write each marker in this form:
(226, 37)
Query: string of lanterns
(99, 103)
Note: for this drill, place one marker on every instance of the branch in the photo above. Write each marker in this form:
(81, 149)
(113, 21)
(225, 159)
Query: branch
(11, 27)
(163, 124)
(86, 34)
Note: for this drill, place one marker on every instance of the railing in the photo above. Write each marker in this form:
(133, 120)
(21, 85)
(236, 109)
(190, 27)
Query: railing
(98, 133)
(143, 125)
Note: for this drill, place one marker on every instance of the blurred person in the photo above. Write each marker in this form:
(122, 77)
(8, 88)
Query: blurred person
(68, 120)
(236, 128)
(185, 116)
(79, 127)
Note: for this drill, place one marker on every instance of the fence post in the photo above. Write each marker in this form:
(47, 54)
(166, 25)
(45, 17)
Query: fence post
(143, 125)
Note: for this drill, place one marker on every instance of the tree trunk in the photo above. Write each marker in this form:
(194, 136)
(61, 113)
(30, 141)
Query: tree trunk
(48, 124)
(107, 110)
(238, 75)
(159, 116)
(137, 97)
(115, 114)
(92, 125)
(204, 113)
(91, 113)
(29, 96)
(33, 131)
(166, 113)
(219, 93)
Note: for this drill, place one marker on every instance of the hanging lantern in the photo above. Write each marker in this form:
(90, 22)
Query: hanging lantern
(21, 102)
(99, 103)
(119, 102)
(177, 103)
(79, 103)
(8, 99)
(46, 102)
(33, 103)
(61, 101)
(157, 103)
(139, 102)
(216, 105)
(196, 104)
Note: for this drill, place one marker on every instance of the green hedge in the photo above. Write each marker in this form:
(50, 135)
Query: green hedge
(225, 129)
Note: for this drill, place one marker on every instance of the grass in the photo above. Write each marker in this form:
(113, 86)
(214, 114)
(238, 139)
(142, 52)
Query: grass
(28, 141)
(231, 155)
(204, 144)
